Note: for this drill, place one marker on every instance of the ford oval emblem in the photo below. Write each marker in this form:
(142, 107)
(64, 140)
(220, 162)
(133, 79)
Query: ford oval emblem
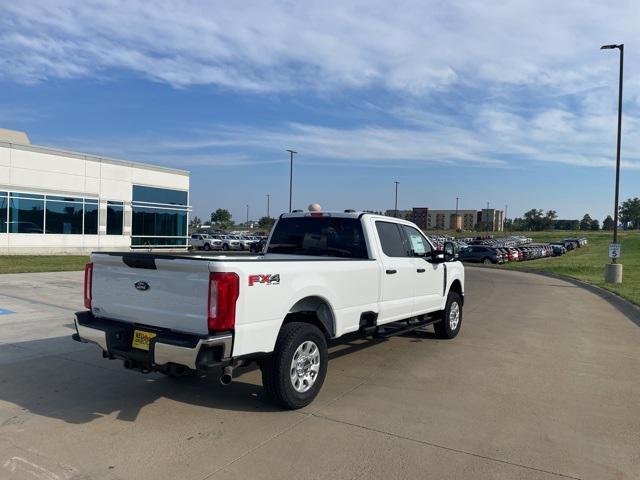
(141, 285)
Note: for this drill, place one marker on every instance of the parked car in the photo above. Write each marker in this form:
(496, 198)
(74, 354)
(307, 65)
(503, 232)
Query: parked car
(322, 277)
(202, 241)
(230, 242)
(480, 254)
(245, 242)
(558, 249)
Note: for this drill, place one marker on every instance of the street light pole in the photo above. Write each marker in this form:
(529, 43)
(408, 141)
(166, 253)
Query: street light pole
(395, 211)
(291, 176)
(247, 215)
(268, 198)
(613, 273)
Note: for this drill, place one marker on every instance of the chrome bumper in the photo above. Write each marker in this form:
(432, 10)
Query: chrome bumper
(162, 352)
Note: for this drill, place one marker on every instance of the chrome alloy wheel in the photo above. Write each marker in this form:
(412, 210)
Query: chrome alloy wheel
(305, 366)
(454, 316)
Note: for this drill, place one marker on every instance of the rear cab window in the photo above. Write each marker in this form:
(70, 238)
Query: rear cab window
(324, 236)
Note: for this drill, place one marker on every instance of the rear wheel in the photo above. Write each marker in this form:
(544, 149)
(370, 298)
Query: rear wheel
(451, 322)
(207, 247)
(225, 247)
(293, 375)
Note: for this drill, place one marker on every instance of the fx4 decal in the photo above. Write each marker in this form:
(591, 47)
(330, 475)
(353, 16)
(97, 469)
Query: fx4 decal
(264, 279)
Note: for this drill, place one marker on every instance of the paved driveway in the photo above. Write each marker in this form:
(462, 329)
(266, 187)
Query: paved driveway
(542, 383)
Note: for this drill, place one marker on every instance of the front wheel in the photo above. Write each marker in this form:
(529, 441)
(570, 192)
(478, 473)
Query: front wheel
(293, 375)
(225, 247)
(449, 326)
(487, 261)
(207, 247)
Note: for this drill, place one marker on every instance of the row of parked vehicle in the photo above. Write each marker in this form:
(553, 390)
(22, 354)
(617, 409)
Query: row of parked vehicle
(206, 241)
(514, 249)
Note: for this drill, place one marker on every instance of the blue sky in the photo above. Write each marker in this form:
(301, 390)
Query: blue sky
(509, 104)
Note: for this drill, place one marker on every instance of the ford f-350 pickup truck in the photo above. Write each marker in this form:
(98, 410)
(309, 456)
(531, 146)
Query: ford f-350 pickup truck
(322, 275)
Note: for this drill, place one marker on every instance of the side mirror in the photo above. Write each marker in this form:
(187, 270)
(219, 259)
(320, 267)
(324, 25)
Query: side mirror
(450, 252)
(437, 256)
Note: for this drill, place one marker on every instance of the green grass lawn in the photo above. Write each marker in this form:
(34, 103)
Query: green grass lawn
(587, 263)
(41, 263)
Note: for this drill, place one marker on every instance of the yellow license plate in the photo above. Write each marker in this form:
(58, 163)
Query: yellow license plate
(141, 339)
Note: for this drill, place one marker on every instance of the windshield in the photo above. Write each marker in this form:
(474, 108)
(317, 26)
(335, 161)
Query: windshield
(319, 236)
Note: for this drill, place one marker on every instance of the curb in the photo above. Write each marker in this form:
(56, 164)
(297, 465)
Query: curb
(624, 306)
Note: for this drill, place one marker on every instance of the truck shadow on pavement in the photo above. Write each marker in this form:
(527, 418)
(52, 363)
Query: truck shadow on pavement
(60, 379)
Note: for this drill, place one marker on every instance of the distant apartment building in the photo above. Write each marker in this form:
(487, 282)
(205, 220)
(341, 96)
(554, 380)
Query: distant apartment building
(470, 220)
(491, 220)
(449, 220)
(420, 216)
(404, 214)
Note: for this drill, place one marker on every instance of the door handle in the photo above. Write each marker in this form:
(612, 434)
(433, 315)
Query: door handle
(391, 272)
(421, 270)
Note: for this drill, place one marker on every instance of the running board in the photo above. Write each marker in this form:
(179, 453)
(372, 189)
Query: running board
(399, 328)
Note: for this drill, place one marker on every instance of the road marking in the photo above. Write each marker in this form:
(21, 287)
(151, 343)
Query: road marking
(4, 311)
(15, 464)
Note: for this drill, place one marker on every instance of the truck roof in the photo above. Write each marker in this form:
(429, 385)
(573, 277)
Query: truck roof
(341, 214)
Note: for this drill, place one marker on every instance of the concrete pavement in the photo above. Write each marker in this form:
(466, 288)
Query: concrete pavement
(542, 383)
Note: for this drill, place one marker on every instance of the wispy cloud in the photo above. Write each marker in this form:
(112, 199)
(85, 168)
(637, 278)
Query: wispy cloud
(409, 46)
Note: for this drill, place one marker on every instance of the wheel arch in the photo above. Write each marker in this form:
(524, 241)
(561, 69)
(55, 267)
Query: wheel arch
(456, 286)
(316, 310)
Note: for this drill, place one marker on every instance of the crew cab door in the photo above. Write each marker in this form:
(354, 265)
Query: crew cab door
(428, 286)
(398, 273)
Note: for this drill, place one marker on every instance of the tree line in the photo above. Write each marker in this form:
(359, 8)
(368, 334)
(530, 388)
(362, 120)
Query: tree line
(537, 219)
(221, 219)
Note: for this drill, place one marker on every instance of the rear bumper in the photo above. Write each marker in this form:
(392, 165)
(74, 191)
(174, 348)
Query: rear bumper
(166, 349)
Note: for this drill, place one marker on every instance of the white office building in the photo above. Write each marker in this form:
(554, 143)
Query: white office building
(55, 201)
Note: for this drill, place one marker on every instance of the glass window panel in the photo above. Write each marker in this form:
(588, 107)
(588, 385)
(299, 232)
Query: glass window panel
(64, 217)
(4, 206)
(417, 242)
(115, 215)
(64, 199)
(27, 195)
(158, 222)
(319, 236)
(157, 241)
(391, 239)
(159, 195)
(90, 218)
(26, 215)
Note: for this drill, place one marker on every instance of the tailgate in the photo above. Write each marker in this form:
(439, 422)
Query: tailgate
(165, 291)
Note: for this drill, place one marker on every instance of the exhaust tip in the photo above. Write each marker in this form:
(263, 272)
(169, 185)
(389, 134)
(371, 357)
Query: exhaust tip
(226, 379)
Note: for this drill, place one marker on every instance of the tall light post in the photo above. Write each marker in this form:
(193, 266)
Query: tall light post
(506, 210)
(613, 271)
(247, 215)
(395, 210)
(268, 199)
(291, 152)
(457, 200)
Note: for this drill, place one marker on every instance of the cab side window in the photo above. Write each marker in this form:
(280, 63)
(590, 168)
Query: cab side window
(418, 245)
(391, 239)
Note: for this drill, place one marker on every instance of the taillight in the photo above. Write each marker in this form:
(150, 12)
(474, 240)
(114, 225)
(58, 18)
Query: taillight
(224, 288)
(88, 281)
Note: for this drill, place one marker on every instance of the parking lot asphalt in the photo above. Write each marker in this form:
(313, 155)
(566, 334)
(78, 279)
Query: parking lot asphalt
(542, 383)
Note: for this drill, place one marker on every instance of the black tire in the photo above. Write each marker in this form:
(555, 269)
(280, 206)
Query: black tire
(225, 247)
(276, 369)
(443, 328)
(207, 247)
(487, 261)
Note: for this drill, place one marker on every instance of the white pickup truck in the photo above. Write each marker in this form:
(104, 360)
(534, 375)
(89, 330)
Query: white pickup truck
(205, 242)
(323, 276)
